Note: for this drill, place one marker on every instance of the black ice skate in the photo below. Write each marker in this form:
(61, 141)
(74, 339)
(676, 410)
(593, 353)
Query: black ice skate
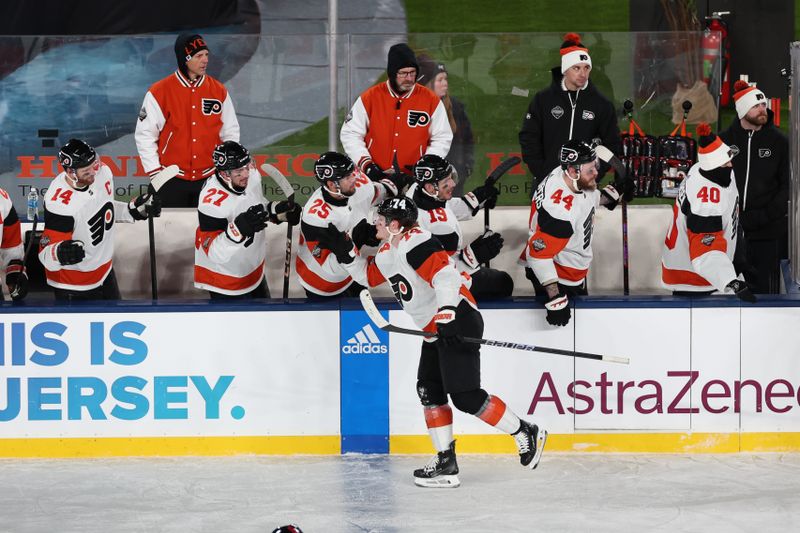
(441, 472)
(530, 443)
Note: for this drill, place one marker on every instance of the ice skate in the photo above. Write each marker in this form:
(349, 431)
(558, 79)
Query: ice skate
(441, 472)
(530, 443)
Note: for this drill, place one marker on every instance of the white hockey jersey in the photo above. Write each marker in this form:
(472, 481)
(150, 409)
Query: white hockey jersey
(221, 263)
(87, 216)
(560, 226)
(441, 219)
(318, 270)
(11, 237)
(701, 240)
(422, 275)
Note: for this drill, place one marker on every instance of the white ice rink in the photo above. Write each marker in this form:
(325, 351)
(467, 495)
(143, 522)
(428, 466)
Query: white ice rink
(357, 493)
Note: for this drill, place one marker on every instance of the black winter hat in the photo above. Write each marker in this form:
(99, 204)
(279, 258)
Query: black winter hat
(400, 56)
(186, 46)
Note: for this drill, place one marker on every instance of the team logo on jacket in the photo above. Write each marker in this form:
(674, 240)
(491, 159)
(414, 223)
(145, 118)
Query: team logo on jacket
(211, 106)
(539, 245)
(142, 114)
(101, 222)
(557, 112)
(708, 239)
(418, 118)
(764, 152)
(734, 149)
(587, 115)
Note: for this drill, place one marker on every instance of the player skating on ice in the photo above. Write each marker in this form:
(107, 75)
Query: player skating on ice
(432, 291)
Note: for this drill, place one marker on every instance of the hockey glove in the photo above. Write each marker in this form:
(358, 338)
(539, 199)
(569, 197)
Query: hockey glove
(340, 244)
(742, 291)
(446, 328)
(16, 279)
(484, 196)
(248, 223)
(558, 313)
(484, 248)
(144, 206)
(284, 212)
(70, 252)
(374, 172)
(365, 234)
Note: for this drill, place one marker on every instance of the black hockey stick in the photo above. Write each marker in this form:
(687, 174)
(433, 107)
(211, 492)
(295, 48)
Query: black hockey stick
(15, 292)
(156, 182)
(628, 105)
(376, 317)
(286, 187)
(491, 179)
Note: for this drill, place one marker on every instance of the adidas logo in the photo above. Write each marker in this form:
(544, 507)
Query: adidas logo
(365, 341)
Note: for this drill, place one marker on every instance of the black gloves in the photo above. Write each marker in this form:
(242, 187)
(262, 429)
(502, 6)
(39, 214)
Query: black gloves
(340, 244)
(248, 223)
(486, 247)
(742, 291)
(558, 313)
(144, 206)
(484, 196)
(284, 212)
(16, 279)
(621, 188)
(446, 328)
(365, 234)
(70, 252)
(374, 172)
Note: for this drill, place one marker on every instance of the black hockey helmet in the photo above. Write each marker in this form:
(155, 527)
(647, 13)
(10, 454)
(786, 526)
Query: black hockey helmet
(333, 166)
(402, 209)
(230, 155)
(76, 154)
(575, 153)
(431, 169)
(291, 528)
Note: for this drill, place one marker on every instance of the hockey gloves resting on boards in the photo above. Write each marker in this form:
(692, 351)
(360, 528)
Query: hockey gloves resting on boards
(144, 206)
(16, 279)
(558, 313)
(741, 290)
(484, 196)
(70, 252)
(446, 328)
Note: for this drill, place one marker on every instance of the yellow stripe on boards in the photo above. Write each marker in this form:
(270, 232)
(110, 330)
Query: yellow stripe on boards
(170, 446)
(614, 443)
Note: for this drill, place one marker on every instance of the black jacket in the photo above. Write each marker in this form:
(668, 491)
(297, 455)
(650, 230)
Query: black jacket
(462, 149)
(764, 186)
(547, 124)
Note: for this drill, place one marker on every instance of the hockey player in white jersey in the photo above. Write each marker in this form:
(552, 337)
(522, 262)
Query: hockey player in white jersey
(701, 241)
(433, 292)
(11, 250)
(558, 253)
(343, 201)
(230, 243)
(77, 244)
(440, 214)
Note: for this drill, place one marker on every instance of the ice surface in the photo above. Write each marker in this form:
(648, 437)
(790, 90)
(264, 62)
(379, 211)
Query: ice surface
(361, 493)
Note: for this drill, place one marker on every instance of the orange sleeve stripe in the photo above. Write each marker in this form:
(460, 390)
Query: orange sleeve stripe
(374, 275)
(697, 247)
(203, 239)
(51, 236)
(12, 236)
(552, 245)
(433, 264)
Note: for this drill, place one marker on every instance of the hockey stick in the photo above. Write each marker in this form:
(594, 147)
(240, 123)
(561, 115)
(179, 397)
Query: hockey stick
(286, 187)
(156, 182)
(15, 292)
(491, 179)
(372, 311)
(628, 105)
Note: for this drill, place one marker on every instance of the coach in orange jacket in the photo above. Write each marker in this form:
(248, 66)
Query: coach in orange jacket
(183, 117)
(397, 117)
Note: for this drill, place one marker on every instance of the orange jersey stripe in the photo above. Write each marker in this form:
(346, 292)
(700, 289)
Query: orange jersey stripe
(544, 246)
(433, 264)
(12, 236)
(697, 247)
(569, 273)
(76, 277)
(322, 285)
(682, 277)
(228, 283)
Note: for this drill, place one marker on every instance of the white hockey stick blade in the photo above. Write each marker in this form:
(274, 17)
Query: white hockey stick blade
(158, 181)
(280, 179)
(616, 359)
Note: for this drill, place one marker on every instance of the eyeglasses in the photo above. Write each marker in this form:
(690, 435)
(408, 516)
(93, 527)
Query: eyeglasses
(406, 74)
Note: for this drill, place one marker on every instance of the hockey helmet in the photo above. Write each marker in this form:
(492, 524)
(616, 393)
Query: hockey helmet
(575, 153)
(76, 154)
(432, 168)
(333, 166)
(402, 209)
(230, 155)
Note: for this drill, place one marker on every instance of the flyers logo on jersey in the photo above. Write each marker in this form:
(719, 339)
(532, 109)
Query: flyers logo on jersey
(764, 152)
(101, 222)
(211, 106)
(418, 118)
